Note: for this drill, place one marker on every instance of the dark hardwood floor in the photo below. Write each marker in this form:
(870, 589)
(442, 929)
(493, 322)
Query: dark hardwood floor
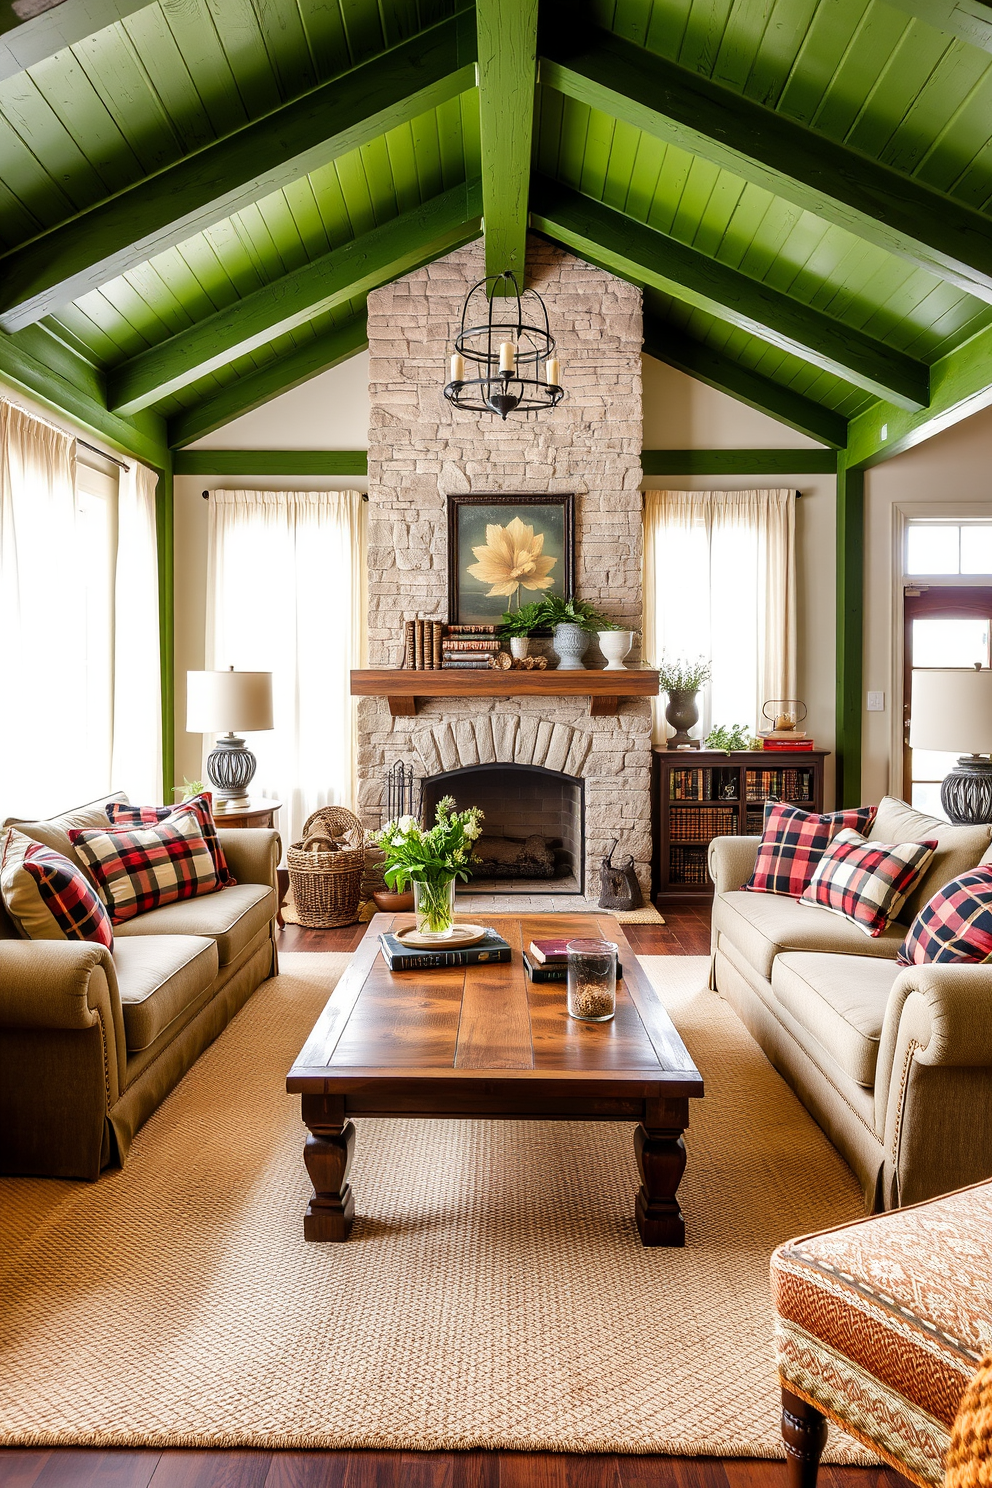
(686, 933)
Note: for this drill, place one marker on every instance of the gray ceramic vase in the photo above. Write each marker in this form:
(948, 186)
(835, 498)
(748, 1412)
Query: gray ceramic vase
(681, 713)
(570, 644)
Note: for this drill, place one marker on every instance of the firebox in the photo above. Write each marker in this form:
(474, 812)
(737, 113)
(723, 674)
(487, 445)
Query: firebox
(533, 832)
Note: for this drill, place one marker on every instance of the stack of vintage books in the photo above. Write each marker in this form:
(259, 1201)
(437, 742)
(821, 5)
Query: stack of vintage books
(469, 646)
(422, 648)
(547, 961)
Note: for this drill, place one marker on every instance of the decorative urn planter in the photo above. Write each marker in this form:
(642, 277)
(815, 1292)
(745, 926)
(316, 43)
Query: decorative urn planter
(682, 713)
(570, 642)
(519, 647)
(614, 645)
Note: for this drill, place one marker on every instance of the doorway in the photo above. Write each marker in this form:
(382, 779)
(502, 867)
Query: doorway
(945, 626)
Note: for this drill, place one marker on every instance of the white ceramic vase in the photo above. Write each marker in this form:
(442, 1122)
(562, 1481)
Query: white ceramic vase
(614, 645)
(519, 647)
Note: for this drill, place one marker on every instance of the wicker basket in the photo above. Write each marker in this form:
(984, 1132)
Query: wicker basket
(326, 880)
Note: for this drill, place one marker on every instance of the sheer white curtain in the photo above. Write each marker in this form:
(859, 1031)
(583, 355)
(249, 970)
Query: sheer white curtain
(136, 765)
(286, 594)
(46, 754)
(720, 581)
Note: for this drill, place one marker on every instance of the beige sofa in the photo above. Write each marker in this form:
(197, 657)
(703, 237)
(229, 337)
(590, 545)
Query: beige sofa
(91, 1042)
(894, 1063)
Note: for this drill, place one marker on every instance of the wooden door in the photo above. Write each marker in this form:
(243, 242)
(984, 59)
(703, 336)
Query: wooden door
(946, 625)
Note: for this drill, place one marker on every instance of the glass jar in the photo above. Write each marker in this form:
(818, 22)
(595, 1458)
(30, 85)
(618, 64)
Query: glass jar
(434, 906)
(592, 980)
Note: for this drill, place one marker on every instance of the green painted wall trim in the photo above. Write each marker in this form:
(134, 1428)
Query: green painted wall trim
(897, 212)
(165, 533)
(695, 359)
(507, 32)
(739, 462)
(347, 273)
(651, 257)
(45, 368)
(960, 385)
(212, 183)
(280, 376)
(271, 462)
(850, 630)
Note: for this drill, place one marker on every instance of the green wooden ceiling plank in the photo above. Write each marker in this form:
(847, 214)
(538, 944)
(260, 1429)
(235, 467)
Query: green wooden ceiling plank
(596, 154)
(733, 462)
(507, 74)
(57, 155)
(960, 385)
(908, 102)
(572, 142)
(356, 193)
(703, 33)
(271, 462)
(41, 366)
(23, 43)
(655, 258)
(248, 393)
(79, 107)
(623, 154)
(451, 143)
(289, 52)
(831, 33)
(789, 21)
(468, 104)
(157, 295)
(427, 146)
(363, 26)
(279, 223)
(251, 231)
(325, 33)
(16, 221)
(204, 57)
(665, 30)
(154, 50)
(120, 82)
(241, 37)
(85, 335)
(302, 203)
(969, 20)
(848, 106)
(379, 179)
(741, 42)
(548, 130)
(728, 376)
(898, 213)
(375, 258)
(204, 188)
(403, 167)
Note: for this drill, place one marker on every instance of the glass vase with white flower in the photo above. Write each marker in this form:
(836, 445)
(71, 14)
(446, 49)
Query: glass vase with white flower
(432, 860)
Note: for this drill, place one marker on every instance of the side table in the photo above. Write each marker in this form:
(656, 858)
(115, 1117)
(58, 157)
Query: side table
(260, 813)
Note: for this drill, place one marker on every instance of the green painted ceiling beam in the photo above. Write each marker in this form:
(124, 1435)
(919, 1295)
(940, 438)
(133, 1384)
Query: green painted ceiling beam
(39, 277)
(650, 257)
(968, 19)
(960, 383)
(739, 462)
(840, 185)
(26, 42)
(42, 366)
(271, 462)
(850, 519)
(696, 359)
(281, 376)
(430, 230)
(507, 74)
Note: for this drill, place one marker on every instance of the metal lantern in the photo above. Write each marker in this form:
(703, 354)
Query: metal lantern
(517, 370)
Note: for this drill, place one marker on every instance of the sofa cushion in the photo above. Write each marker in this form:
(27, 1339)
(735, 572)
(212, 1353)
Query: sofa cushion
(54, 832)
(840, 1001)
(123, 814)
(145, 867)
(958, 848)
(867, 882)
(792, 843)
(231, 917)
(47, 896)
(955, 925)
(762, 925)
(159, 976)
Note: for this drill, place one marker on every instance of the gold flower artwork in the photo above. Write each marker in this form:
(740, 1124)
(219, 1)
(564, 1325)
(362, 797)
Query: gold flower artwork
(511, 558)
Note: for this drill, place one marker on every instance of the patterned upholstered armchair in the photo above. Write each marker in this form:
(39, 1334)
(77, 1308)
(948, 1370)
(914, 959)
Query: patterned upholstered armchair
(881, 1325)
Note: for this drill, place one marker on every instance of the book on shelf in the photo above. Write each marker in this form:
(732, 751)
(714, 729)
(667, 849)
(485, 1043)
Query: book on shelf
(418, 645)
(410, 644)
(783, 746)
(469, 643)
(471, 630)
(400, 957)
(437, 631)
(465, 664)
(553, 971)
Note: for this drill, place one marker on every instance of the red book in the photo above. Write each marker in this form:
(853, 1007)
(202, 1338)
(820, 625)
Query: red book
(787, 745)
(543, 951)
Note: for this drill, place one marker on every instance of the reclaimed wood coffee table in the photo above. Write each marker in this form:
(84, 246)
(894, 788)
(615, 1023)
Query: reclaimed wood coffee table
(485, 1041)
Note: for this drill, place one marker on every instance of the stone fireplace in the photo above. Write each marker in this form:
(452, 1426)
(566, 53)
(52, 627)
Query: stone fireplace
(586, 779)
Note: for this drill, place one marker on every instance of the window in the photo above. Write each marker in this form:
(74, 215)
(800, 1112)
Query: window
(96, 544)
(936, 547)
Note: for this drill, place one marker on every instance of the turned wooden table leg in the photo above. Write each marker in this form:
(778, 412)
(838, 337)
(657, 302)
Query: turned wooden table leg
(660, 1153)
(804, 1432)
(328, 1152)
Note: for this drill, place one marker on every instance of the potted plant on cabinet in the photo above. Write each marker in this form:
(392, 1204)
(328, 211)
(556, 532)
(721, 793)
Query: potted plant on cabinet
(572, 620)
(682, 679)
(519, 625)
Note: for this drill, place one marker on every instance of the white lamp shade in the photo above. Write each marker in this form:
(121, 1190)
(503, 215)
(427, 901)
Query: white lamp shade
(223, 702)
(951, 710)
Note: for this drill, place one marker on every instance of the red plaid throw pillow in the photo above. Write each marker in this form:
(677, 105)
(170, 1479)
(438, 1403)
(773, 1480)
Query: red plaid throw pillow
(867, 882)
(148, 866)
(47, 897)
(793, 841)
(955, 925)
(123, 814)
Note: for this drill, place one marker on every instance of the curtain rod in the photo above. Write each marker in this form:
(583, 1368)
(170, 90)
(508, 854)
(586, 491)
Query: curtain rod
(206, 495)
(112, 458)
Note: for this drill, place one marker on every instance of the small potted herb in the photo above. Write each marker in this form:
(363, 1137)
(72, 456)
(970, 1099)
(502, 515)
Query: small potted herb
(519, 625)
(573, 621)
(729, 737)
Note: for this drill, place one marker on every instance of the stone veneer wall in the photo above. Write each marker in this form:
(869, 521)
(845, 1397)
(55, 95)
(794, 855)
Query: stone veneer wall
(421, 450)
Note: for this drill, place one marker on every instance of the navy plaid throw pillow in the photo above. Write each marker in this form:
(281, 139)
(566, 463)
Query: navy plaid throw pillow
(47, 896)
(955, 925)
(793, 841)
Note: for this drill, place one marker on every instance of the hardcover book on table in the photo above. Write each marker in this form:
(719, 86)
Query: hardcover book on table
(399, 957)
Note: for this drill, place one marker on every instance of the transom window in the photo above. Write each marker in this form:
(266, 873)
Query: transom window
(935, 547)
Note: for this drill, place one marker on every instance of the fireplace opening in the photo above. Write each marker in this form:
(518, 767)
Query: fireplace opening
(533, 833)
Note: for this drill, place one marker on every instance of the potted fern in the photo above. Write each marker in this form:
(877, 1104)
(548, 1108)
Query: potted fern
(572, 621)
(517, 626)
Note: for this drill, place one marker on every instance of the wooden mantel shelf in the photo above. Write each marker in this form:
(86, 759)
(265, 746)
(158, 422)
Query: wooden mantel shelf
(604, 689)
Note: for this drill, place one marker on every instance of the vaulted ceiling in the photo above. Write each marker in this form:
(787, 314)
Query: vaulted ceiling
(196, 196)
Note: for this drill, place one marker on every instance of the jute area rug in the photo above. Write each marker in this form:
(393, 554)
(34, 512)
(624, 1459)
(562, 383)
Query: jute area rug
(493, 1294)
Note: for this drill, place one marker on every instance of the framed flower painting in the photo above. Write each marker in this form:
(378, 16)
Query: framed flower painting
(507, 551)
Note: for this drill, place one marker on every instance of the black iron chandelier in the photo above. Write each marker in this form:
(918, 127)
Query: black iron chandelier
(516, 362)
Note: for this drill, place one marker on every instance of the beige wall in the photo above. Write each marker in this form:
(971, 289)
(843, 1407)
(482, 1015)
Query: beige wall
(949, 473)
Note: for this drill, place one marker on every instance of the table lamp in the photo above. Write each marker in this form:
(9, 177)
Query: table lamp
(219, 703)
(951, 712)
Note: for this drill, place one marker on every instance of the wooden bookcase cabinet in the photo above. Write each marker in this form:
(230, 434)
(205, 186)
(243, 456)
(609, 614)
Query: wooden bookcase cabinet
(704, 793)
